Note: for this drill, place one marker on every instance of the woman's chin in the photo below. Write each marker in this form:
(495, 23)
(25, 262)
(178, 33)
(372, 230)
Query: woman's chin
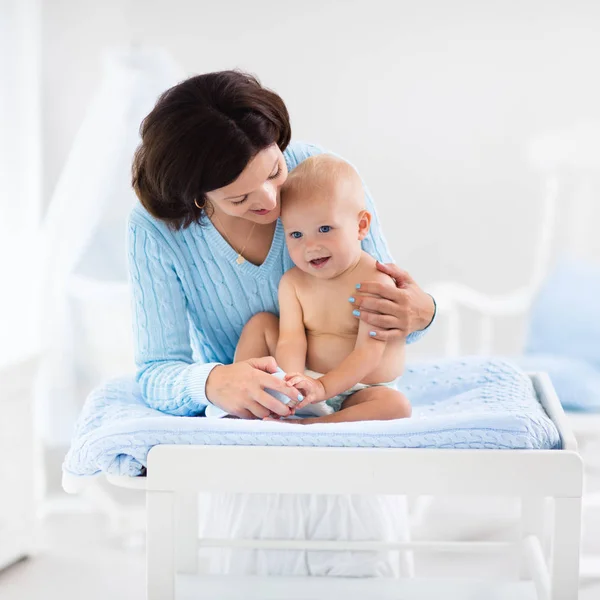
(265, 218)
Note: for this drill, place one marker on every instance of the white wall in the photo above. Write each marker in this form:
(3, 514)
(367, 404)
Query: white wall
(433, 101)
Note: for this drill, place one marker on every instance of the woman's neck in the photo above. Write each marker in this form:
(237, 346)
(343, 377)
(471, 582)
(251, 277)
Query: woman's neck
(253, 240)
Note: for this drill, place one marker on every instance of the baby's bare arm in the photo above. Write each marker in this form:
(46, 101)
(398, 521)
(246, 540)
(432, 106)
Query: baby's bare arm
(365, 357)
(363, 360)
(291, 347)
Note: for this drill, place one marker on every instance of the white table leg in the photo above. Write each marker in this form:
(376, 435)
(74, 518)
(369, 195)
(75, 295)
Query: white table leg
(186, 533)
(160, 546)
(564, 569)
(406, 558)
(533, 522)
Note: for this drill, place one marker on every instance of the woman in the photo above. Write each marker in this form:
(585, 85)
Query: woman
(207, 250)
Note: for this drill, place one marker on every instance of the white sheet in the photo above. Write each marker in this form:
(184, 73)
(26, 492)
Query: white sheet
(289, 516)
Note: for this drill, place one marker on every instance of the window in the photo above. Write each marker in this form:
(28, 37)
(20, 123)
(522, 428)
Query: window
(20, 174)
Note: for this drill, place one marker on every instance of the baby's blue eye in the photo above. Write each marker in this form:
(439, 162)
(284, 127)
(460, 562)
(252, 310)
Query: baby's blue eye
(296, 235)
(325, 229)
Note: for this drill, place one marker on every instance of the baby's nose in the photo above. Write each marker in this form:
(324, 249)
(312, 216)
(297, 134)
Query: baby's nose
(312, 247)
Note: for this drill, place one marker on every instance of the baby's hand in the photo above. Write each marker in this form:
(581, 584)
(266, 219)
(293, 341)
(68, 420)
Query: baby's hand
(312, 389)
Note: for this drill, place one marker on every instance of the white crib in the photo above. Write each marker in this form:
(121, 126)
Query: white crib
(547, 549)
(568, 161)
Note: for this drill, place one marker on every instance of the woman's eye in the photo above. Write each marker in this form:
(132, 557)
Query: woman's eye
(240, 201)
(325, 229)
(276, 175)
(296, 235)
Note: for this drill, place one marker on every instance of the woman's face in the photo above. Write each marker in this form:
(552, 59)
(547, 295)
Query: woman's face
(254, 195)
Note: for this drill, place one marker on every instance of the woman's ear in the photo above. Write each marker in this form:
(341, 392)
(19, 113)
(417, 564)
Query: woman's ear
(364, 222)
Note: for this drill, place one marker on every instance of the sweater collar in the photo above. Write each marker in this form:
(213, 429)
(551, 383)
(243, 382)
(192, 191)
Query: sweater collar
(223, 250)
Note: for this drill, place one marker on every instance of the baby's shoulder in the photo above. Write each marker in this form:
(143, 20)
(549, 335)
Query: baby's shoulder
(290, 278)
(379, 277)
(370, 272)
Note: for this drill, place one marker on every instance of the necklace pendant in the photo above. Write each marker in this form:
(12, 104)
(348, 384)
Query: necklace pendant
(240, 259)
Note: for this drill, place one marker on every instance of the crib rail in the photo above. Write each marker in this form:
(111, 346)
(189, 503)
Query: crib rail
(358, 546)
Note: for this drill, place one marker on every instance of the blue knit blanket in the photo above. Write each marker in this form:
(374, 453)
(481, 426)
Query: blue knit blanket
(464, 403)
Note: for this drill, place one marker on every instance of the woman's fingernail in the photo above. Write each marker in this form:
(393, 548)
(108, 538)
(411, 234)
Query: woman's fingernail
(372, 333)
(351, 299)
(300, 397)
(356, 313)
(358, 286)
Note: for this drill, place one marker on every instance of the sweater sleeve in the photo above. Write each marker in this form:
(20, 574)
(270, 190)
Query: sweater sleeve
(374, 243)
(169, 379)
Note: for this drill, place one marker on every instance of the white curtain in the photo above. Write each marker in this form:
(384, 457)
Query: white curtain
(86, 334)
(20, 176)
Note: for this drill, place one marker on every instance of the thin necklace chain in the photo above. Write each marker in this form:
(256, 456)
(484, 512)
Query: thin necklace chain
(240, 258)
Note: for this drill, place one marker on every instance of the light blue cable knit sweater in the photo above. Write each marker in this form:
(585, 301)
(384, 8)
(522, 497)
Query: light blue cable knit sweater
(191, 300)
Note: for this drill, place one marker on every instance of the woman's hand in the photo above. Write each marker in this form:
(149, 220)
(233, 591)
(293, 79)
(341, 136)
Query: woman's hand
(394, 312)
(312, 389)
(239, 389)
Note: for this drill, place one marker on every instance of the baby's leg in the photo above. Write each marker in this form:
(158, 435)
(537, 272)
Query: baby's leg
(377, 403)
(259, 337)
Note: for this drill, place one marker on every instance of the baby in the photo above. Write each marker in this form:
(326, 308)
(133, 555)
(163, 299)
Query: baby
(328, 354)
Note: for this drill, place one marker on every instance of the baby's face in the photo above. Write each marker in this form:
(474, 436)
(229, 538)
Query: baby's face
(322, 233)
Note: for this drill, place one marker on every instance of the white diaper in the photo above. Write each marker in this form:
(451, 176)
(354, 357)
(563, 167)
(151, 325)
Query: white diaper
(334, 404)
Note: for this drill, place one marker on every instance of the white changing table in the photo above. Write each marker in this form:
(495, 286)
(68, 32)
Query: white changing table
(176, 474)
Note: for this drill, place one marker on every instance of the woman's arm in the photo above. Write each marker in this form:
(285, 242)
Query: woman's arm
(417, 306)
(169, 379)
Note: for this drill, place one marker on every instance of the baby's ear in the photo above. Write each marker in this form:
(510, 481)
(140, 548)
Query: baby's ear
(364, 222)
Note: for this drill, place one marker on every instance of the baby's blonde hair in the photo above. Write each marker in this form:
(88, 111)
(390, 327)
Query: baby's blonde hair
(321, 171)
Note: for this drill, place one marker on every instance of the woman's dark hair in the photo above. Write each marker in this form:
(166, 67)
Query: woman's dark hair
(200, 136)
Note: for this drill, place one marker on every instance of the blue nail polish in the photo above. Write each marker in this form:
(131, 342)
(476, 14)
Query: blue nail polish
(358, 286)
(351, 299)
(300, 397)
(356, 313)
(372, 333)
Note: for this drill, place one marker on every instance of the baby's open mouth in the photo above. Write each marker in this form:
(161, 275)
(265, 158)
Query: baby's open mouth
(319, 263)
